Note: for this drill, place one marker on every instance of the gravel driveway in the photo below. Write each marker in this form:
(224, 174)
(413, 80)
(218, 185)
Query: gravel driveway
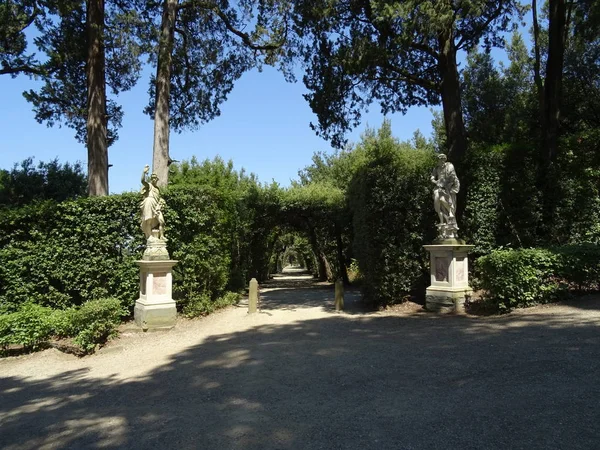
(297, 375)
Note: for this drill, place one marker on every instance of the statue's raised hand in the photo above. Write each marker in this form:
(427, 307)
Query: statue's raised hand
(146, 168)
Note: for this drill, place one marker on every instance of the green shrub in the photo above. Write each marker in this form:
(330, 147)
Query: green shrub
(227, 299)
(354, 275)
(517, 278)
(65, 254)
(502, 206)
(95, 321)
(30, 327)
(197, 305)
(90, 324)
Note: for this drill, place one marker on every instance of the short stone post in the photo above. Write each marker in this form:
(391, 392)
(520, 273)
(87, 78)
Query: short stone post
(253, 296)
(339, 295)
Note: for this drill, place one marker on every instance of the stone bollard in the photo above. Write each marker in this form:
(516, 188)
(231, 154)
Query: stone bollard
(253, 296)
(339, 295)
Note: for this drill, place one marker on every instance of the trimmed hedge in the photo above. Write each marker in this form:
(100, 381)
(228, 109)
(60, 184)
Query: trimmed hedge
(504, 206)
(65, 254)
(524, 277)
(390, 198)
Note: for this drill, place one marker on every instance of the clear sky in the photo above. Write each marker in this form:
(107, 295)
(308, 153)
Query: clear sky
(263, 127)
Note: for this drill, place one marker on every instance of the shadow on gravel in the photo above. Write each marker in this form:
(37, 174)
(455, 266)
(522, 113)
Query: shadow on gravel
(359, 382)
(587, 302)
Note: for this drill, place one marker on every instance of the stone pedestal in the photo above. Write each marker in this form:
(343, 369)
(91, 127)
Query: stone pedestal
(449, 277)
(155, 309)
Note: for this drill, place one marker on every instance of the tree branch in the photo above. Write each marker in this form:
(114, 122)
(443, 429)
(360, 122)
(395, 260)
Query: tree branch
(245, 37)
(425, 49)
(386, 32)
(409, 78)
(31, 70)
(186, 58)
(477, 31)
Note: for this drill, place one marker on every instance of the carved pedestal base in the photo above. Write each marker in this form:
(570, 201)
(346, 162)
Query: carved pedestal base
(156, 248)
(155, 309)
(449, 278)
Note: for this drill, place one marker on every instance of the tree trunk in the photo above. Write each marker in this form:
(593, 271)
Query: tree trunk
(456, 135)
(537, 62)
(553, 82)
(160, 153)
(324, 267)
(97, 145)
(451, 99)
(340, 255)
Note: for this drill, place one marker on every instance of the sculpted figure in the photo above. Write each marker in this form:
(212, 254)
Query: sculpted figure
(444, 194)
(151, 206)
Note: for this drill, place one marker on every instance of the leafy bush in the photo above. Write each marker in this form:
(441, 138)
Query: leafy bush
(64, 254)
(91, 324)
(238, 215)
(199, 224)
(516, 278)
(33, 325)
(502, 207)
(30, 327)
(354, 274)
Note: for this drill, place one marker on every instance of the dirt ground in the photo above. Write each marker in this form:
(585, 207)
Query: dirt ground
(298, 375)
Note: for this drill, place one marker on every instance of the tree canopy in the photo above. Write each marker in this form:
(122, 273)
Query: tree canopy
(398, 54)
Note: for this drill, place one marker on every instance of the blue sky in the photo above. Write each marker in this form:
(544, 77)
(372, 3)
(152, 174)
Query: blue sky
(263, 127)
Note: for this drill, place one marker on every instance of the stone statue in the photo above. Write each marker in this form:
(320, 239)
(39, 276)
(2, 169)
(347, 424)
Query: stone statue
(444, 197)
(151, 207)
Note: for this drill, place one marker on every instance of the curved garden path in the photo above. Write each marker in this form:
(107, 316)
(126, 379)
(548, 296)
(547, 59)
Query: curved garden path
(298, 375)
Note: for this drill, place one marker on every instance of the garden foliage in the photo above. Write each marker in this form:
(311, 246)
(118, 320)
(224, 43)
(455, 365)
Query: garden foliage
(524, 277)
(65, 254)
(27, 182)
(89, 325)
(390, 199)
(504, 207)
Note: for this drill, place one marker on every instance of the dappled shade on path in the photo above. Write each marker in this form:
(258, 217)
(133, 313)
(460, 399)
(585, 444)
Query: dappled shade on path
(340, 382)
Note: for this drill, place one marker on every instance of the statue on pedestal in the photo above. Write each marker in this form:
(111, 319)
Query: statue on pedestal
(448, 260)
(444, 197)
(152, 219)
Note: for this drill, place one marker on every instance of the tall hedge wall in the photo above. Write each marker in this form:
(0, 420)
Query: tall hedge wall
(63, 254)
(390, 197)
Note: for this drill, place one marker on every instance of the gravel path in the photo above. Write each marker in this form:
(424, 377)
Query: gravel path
(297, 375)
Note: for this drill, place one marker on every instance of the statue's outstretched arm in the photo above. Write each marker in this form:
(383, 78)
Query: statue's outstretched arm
(144, 173)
